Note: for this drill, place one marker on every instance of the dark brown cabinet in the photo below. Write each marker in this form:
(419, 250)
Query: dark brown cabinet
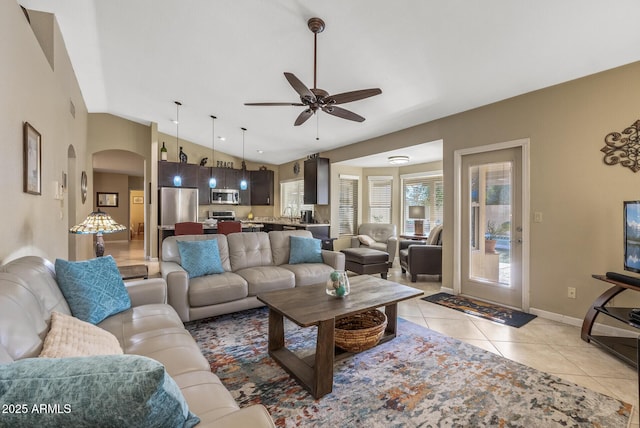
(168, 171)
(316, 181)
(204, 174)
(259, 183)
(262, 187)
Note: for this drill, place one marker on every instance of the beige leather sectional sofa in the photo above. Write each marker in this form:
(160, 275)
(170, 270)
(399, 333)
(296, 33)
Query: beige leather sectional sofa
(253, 262)
(29, 293)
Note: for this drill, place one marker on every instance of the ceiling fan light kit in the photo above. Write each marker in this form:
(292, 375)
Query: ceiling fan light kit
(398, 160)
(315, 99)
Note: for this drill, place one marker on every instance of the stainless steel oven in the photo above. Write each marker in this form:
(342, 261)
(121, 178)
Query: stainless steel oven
(225, 196)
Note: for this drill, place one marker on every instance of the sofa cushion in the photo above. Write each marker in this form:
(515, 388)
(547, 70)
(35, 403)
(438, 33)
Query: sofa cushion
(71, 337)
(380, 232)
(366, 240)
(170, 252)
(435, 236)
(281, 244)
(39, 275)
(127, 390)
(93, 288)
(305, 250)
(267, 278)
(378, 246)
(310, 273)
(200, 258)
(249, 249)
(214, 289)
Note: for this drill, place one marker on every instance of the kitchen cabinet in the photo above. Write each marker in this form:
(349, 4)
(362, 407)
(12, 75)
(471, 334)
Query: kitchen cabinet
(231, 178)
(204, 192)
(316, 181)
(262, 187)
(168, 170)
(219, 175)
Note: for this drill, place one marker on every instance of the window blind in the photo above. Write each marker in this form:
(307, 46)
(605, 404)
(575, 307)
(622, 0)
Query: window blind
(380, 199)
(348, 207)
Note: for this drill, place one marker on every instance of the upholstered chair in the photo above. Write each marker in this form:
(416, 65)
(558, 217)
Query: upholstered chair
(422, 257)
(377, 236)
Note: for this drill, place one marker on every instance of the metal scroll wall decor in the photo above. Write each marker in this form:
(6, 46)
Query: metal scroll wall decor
(623, 147)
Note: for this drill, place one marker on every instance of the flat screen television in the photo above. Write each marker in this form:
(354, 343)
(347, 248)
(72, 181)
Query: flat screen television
(632, 236)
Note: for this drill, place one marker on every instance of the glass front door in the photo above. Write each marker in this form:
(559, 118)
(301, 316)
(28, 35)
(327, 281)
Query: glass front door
(492, 226)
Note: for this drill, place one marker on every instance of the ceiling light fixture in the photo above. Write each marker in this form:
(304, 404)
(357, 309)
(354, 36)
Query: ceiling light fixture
(243, 182)
(212, 180)
(398, 160)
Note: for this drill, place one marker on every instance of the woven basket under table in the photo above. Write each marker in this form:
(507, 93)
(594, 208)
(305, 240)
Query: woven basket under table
(359, 332)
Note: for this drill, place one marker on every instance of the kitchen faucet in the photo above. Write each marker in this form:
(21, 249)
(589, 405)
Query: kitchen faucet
(290, 209)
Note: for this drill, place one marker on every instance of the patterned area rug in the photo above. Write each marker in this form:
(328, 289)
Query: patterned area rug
(421, 378)
(488, 311)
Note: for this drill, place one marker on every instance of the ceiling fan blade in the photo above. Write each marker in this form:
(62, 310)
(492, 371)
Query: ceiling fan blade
(300, 87)
(274, 104)
(347, 97)
(343, 113)
(303, 117)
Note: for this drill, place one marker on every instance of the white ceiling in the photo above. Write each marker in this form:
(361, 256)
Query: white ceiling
(431, 58)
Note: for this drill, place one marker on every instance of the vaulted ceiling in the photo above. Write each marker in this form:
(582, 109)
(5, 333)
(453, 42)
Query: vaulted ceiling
(431, 58)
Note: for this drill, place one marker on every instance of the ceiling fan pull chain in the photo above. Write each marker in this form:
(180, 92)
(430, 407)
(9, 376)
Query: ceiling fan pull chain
(317, 127)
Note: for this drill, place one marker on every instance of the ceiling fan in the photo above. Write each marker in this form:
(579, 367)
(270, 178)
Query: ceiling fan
(315, 99)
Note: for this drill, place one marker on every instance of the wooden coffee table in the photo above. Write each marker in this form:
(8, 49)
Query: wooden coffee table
(310, 305)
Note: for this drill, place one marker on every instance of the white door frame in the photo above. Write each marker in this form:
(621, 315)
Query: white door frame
(458, 246)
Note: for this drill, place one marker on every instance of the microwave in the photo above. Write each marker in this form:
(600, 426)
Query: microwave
(224, 196)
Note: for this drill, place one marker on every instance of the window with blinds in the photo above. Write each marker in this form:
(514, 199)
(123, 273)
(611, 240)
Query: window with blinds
(292, 198)
(348, 208)
(427, 191)
(380, 199)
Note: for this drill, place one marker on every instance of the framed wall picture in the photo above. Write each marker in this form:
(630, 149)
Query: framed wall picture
(105, 199)
(138, 199)
(32, 154)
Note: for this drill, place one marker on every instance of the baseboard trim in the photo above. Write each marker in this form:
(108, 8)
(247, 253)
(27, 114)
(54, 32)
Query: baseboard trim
(600, 329)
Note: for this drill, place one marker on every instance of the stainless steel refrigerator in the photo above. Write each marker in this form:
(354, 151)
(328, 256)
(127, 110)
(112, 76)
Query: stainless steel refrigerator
(177, 205)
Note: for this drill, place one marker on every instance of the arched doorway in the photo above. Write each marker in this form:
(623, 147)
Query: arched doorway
(122, 172)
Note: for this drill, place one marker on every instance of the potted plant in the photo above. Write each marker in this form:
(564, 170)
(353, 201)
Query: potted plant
(490, 238)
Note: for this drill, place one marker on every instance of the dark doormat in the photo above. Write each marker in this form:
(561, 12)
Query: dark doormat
(488, 311)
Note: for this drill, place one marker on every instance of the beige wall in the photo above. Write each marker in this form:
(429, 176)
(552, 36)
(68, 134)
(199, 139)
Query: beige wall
(579, 196)
(34, 91)
(114, 183)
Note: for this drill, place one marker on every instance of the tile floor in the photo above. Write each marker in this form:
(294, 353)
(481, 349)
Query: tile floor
(543, 344)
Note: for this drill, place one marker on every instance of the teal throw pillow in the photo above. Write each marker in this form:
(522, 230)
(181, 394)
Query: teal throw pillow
(110, 390)
(304, 250)
(93, 288)
(200, 258)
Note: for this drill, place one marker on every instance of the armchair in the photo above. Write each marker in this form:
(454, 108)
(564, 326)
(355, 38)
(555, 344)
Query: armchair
(378, 237)
(422, 257)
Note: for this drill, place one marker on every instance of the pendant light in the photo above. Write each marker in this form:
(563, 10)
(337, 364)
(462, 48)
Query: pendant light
(177, 179)
(213, 183)
(243, 181)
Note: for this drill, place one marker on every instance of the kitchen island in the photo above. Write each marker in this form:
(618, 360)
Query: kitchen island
(207, 227)
(318, 230)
